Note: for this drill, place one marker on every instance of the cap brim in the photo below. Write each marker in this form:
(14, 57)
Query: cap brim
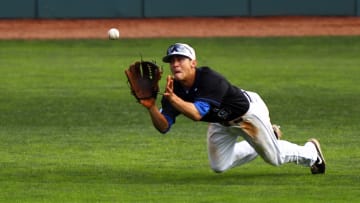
(167, 58)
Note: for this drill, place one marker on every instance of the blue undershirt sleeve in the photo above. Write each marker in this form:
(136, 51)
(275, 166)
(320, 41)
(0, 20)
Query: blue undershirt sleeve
(169, 120)
(202, 107)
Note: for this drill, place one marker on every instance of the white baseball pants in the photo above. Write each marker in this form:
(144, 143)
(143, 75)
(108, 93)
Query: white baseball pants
(226, 152)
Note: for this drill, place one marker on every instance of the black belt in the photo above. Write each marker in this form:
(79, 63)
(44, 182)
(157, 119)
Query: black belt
(233, 122)
(247, 96)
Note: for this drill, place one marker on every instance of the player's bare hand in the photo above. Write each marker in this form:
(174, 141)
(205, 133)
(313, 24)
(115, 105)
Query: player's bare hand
(169, 90)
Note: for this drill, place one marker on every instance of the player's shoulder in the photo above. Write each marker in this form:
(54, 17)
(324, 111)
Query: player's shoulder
(206, 71)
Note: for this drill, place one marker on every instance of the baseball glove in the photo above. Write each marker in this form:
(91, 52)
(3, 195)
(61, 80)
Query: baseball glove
(143, 77)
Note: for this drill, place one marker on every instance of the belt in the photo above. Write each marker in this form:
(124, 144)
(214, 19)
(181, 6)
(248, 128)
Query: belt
(235, 121)
(247, 96)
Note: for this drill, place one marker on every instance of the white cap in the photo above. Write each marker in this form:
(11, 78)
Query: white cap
(179, 49)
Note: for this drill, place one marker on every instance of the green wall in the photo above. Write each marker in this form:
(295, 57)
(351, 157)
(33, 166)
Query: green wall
(172, 8)
(89, 8)
(12, 9)
(303, 7)
(168, 8)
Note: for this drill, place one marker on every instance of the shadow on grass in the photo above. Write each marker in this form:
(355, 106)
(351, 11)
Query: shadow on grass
(104, 174)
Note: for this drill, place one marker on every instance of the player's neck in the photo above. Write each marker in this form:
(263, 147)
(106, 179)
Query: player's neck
(188, 82)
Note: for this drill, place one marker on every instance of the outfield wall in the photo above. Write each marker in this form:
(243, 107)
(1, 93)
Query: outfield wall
(50, 9)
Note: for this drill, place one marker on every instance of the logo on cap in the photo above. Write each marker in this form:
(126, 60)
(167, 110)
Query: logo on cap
(179, 49)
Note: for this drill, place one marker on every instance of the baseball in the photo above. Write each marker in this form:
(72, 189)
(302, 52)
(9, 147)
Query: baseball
(113, 33)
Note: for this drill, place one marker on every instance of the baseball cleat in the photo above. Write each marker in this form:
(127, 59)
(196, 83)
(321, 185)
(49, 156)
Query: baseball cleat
(277, 131)
(319, 166)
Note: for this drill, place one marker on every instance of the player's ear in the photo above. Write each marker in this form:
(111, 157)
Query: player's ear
(193, 63)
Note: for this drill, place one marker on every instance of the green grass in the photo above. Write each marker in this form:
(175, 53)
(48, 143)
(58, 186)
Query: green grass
(71, 132)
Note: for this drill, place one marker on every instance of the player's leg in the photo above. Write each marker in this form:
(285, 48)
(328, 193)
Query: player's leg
(223, 149)
(261, 136)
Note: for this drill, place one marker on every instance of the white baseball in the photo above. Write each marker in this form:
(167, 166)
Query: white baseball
(113, 33)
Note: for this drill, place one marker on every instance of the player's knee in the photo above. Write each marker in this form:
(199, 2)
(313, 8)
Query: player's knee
(218, 169)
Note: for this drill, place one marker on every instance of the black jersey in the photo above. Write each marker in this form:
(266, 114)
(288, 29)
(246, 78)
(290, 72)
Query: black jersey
(227, 102)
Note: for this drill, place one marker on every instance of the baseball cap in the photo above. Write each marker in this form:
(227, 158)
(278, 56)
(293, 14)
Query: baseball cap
(179, 49)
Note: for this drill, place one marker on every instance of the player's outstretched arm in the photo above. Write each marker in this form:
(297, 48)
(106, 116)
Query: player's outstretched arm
(159, 121)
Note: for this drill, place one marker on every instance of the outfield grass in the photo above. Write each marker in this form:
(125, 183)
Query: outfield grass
(71, 132)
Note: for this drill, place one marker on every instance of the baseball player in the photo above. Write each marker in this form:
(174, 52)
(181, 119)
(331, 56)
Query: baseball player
(202, 94)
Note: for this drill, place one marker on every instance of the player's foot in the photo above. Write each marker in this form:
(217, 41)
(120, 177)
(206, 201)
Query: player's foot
(277, 131)
(319, 166)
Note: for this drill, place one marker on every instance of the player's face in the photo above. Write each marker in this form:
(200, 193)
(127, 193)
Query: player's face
(182, 68)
